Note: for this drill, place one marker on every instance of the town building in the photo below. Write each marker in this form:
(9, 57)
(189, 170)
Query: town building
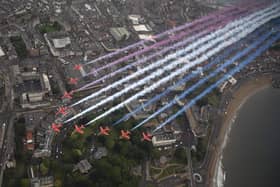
(119, 33)
(164, 139)
(100, 152)
(83, 166)
(29, 140)
(32, 87)
(42, 182)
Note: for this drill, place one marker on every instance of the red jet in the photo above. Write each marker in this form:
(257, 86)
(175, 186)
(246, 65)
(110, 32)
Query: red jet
(78, 67)
(146, 136)
(67, 95)
(79, 129)
(56, 127)
(61, 110)
(73, 80)
(104, 131)
(125, 135)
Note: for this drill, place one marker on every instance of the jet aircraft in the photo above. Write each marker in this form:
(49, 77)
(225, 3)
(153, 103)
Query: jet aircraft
(104, 131)
(125, 135)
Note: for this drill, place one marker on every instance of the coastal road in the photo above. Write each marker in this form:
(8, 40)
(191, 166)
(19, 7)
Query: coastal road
(8, 145)
(7, 117)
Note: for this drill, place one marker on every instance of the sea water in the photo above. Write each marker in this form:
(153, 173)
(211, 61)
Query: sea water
(251, 157)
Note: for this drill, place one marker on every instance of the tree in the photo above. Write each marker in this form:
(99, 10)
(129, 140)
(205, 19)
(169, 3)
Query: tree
(133, 181)
(81, 180)
(58, 183)
(76, 155)
(155, 154)
(180, 154)
(109, 143)
(24, 182)
(200, 149)
(44, 169)
(115, 174)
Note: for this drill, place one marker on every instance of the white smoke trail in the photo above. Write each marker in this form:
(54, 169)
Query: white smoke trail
(241, 35)
(175, 55)
(145, 80)
(203, 58)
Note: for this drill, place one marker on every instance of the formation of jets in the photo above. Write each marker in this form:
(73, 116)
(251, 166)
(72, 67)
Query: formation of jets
(125, 134)
(105, 131)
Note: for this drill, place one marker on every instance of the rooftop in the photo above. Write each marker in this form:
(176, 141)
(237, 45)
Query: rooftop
(83, 166)
(119, 33)
(61, 42)
(101, 152)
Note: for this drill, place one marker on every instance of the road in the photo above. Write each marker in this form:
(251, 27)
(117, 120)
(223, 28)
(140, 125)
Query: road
(7, 117)
(8, 146)
(192, 182)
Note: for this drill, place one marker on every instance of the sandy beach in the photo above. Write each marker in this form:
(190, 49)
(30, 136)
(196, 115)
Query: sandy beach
(245, 90)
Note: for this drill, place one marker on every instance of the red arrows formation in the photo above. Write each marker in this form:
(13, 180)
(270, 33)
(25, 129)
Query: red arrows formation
(73, 80)
(105, 131)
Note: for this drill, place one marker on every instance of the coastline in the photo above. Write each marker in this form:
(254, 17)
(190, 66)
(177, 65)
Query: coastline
(240, 95)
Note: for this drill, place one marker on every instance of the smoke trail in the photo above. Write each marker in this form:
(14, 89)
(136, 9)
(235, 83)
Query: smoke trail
(217, 59)
(172, 56)
(165, 33)
(183, 70)
(168, 78)
(144, 59)
(248, 60)
(142, 51)
(133, 98)
(211, 75)
(243, 33)
(172, 47)
(160, 71)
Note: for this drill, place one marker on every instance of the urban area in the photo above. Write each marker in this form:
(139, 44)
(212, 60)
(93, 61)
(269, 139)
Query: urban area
(68, 112)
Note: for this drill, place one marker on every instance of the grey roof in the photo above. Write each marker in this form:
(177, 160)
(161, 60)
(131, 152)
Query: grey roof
(119, 33)
(61, 42)
(84, 166)
(101, 152)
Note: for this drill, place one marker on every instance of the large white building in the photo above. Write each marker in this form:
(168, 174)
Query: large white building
(163, 139)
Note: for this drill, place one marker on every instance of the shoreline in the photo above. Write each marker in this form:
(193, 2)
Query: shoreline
(244, 90)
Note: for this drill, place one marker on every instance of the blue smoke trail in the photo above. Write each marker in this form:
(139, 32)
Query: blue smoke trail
(258, 52)
(188, 77)
(202, 81)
